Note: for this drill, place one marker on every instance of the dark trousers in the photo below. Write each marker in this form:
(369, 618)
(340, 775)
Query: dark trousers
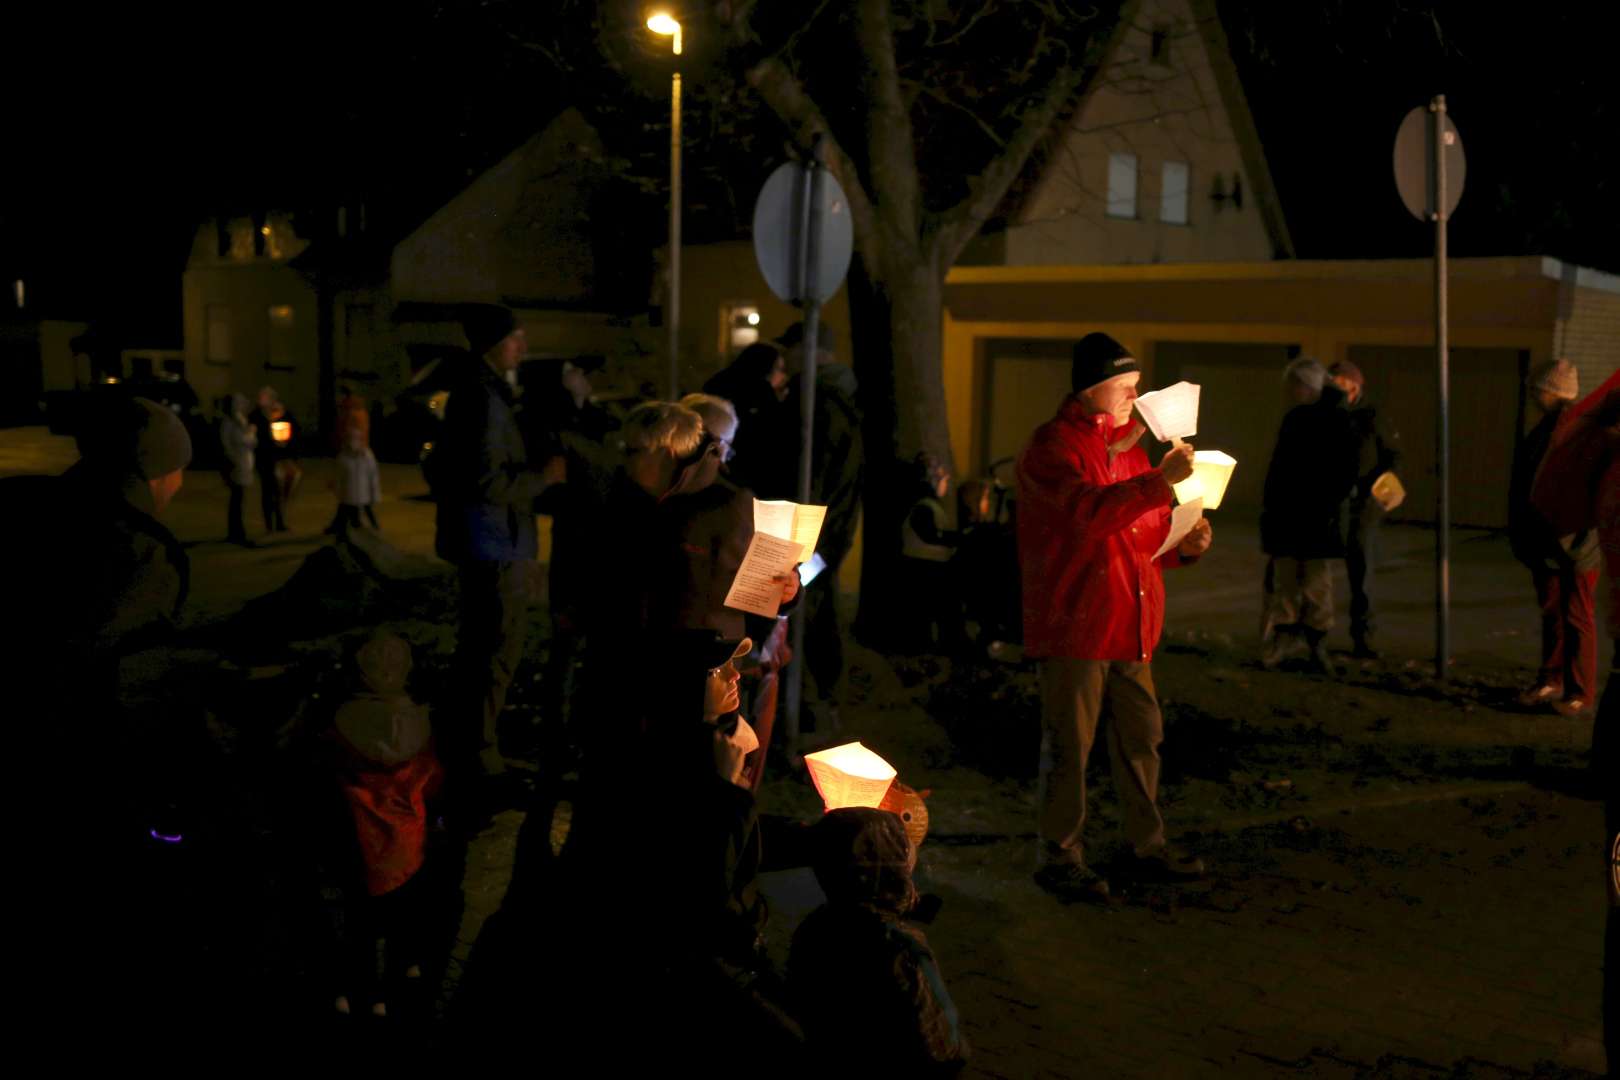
(823, 637)
(1361, 551)
(936, 591)
(1568, 600)
(379, 937)
(270, 501)
(348, 517)
(495, 600)
(1605, 768)
(235, 530)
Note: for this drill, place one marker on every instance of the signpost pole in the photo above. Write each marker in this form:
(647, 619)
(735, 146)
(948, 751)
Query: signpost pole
(809, 248)
(1442, 538)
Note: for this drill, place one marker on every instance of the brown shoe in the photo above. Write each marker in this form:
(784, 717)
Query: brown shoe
(1167, 864)
(1540, 694)
(1572, 707)
(1072, 881)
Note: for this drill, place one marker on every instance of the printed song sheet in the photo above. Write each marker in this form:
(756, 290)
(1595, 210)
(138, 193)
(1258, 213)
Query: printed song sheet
(753, 590)
(1182, 519)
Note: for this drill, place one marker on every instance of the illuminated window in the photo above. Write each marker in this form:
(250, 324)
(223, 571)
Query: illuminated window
(1122, 185)
(739, 326)
(283, 355)
(219, 334)
(17, 287)
(1173, 185)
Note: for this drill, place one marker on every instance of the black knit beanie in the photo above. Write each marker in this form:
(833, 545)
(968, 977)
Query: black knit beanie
(1097, 358)
(486, 325)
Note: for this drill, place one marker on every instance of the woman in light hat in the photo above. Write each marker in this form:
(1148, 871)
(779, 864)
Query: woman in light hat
(1563, 568)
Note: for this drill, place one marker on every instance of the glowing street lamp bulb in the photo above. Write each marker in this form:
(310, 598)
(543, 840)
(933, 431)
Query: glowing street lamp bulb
(753, 318)
(664, 23)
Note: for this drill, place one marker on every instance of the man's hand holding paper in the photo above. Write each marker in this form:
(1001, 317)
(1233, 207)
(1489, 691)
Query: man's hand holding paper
(1198, 540)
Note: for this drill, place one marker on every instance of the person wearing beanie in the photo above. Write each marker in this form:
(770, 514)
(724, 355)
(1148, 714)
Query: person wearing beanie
(98, 578)
(485, 489)
(1377, 452)
(1563, 568)
(1092, 513)
(1311, 475)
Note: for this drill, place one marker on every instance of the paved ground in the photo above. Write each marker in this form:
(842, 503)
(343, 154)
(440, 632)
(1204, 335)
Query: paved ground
(1406, 879)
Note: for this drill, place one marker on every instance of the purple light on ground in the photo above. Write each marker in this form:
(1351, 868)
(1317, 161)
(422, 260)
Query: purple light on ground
(167, 839)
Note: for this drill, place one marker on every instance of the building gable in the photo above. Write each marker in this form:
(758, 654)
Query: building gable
(1159, 163)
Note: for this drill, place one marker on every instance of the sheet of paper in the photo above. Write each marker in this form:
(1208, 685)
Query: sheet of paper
(791, 521)
(1182, 519)
(753, 590)
(1171, 413)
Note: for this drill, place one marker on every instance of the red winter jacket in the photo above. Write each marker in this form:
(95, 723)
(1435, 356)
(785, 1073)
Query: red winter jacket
(1088, 525)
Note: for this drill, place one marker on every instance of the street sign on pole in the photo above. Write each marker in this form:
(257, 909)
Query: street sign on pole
(1429, 171)
(803, 240)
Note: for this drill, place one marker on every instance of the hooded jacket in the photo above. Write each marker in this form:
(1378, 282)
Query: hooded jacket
(1312, 473)
(385, 766)
(1089, 520)
(858, 973)
(480, 476)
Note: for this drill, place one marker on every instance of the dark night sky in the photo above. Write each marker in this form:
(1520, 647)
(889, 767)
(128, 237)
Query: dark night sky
(130, 132)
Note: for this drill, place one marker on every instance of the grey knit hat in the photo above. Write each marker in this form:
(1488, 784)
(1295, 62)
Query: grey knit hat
(1306, 371)
(134, 437)
(1558, 378)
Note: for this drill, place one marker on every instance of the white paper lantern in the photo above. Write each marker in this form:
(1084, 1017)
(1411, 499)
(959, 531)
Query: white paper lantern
(1212, 471)
(849, 775)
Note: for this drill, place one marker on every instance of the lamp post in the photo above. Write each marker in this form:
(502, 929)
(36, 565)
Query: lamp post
(665, 24)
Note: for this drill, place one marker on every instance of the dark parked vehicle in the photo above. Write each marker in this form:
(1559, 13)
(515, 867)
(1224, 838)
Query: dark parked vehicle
(65, 410)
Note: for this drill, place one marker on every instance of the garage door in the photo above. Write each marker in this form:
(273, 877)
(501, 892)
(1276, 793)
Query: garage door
(1027, 383)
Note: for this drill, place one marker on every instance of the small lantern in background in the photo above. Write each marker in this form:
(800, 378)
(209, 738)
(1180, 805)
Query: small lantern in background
(1212, 471)
(849, 775)
(281, 431)
(907, 803)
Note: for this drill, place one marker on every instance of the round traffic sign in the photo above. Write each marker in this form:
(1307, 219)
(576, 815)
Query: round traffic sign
(1415, 162)
(781, 221)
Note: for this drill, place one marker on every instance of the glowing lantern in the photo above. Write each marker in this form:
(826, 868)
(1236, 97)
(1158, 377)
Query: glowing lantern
(912, 810)
(1388, 491)
(281, 431)
(849, 775)
(1212, 471)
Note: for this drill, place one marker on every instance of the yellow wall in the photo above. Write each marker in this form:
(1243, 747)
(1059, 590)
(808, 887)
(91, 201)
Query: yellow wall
(715, 276)
(249, 290)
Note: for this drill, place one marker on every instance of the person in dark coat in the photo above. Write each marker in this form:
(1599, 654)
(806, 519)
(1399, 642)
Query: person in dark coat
(272, 457)
(1312, 473)
(1377, 452)
(560, 418)
(664, 554)
(485, 489)
(1564, 568)
(861, 976)
(756, 384)
(101, 581)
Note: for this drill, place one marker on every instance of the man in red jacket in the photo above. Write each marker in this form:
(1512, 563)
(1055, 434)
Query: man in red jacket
(1091, 514)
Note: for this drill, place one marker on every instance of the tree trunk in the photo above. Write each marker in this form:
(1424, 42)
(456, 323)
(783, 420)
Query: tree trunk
(898, 323)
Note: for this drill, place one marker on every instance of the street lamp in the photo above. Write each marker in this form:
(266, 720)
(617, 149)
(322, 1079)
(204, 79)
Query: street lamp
(663, 23)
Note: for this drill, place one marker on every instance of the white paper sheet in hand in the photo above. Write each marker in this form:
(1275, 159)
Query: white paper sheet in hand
(1182, 519)
(789, 520)
(753, 590)
(1171, 413)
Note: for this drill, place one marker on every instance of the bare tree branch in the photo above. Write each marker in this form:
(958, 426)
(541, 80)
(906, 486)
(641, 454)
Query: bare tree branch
(962, 222)
(891, 143)
(785, 94)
